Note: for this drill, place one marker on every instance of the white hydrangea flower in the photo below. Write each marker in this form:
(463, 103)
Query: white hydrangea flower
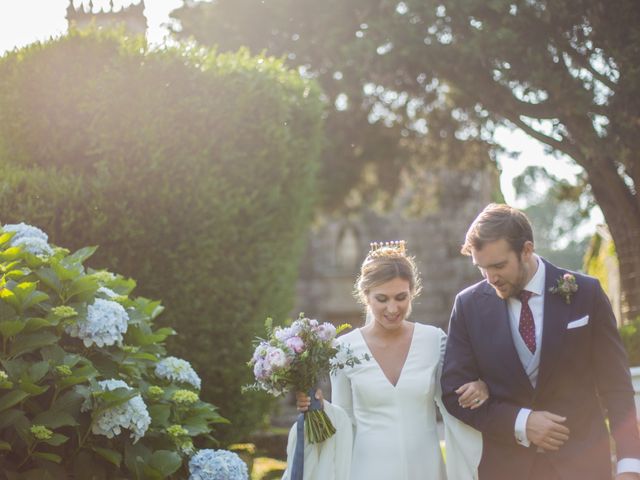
(33, 245)
(131, 415)
(177, 370)
(106, 322)
(22, 230)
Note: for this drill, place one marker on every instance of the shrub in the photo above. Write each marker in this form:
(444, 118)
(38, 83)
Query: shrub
(193, 171)
(630, 334)
(81, 391)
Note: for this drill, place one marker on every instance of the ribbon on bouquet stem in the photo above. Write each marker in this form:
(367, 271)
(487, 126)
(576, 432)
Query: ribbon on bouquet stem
(297, 469)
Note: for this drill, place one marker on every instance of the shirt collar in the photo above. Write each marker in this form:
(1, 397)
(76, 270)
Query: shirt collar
(536, 284)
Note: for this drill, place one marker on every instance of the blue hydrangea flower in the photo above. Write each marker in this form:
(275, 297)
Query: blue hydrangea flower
(107, 292)
(131, 415)
(22, 230)
(217, 465)
(29, 238)
(177, 370)
(33, 245)
(105, 324)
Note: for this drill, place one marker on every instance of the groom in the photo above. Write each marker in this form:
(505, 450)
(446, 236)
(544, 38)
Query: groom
(545, 342)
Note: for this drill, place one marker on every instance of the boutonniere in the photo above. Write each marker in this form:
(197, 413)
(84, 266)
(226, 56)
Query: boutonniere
(566, 287)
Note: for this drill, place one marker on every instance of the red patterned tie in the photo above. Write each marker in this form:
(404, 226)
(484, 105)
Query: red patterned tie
(527, 326)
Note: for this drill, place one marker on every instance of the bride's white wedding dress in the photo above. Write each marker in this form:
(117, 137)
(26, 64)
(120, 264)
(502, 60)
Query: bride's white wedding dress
(395, 433)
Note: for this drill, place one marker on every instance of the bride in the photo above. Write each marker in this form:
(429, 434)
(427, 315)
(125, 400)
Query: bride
(390, 401)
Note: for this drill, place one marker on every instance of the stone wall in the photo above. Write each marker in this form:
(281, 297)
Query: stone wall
(337, 246)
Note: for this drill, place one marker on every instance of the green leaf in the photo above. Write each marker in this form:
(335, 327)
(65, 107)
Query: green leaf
(10, 417)
(113, 398)
(34, 324)
(5, 445)
(56, 439)
(81, 255)
(68, 402)
(144, 356)
(52, 457)
(83, 285)
(9, 297)
(160, 415)
(165, 461)
(16, 274)
(32, 341)
(55, 354)
(12, 398)
(38, 370)
(49, 277)
(135, 457)
(53, 419)
(16, 367)
(33, 299)
(66, 273)
(5, 237)
(31, 387)
(10, 328)
(151, 473)
(109, 455)
(10, 254)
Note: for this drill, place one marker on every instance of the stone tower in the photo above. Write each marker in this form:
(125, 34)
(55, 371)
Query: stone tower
(132, 17)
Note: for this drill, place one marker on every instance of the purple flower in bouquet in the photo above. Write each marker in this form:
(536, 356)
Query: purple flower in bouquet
(326, 332)
(296, 344)
(276, 359)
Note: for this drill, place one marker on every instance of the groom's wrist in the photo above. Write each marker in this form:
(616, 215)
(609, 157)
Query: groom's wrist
(520, 428)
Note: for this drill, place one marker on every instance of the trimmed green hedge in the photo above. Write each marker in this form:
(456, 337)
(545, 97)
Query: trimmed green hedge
(194, 172)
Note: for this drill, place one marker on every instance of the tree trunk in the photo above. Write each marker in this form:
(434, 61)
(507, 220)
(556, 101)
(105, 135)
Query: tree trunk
(622, 215)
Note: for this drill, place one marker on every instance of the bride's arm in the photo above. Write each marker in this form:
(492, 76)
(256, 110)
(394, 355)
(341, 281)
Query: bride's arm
(463, 444)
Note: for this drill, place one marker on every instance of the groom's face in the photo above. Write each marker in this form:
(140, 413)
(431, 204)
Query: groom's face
(504, 269)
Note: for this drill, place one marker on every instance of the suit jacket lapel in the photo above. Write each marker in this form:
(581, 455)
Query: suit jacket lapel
(554, 325)
(495, 314)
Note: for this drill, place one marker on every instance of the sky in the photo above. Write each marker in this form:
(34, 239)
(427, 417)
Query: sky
(20, 25)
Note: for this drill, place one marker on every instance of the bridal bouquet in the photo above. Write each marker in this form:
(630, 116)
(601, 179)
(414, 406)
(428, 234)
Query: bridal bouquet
(295, 358)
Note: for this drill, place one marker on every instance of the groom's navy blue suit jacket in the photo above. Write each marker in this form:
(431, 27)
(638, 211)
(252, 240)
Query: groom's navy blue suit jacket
(583, 375)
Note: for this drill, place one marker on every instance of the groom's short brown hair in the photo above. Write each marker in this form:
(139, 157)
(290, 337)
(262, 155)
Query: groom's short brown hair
(495, 222)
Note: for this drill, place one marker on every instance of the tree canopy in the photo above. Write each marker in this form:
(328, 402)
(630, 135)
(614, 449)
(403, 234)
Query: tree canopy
(445, 73)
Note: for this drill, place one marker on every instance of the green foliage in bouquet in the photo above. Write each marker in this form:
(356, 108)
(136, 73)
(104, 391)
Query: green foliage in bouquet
(193, 171)
(86, 389)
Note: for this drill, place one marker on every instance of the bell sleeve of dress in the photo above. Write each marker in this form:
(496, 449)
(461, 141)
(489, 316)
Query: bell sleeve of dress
(329, 460)
(341, 394)
(463, 444)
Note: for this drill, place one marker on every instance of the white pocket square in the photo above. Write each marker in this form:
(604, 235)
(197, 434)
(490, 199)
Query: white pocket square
(581, 322)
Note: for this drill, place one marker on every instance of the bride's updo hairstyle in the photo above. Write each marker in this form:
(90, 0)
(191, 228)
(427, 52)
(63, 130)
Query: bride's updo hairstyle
(384, 262)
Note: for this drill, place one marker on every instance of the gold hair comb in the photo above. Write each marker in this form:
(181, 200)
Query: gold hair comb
(387, 249)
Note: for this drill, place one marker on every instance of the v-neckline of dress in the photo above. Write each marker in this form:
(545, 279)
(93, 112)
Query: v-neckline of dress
(366, 345)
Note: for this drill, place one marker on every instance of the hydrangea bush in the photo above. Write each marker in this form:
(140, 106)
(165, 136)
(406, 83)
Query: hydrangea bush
(87, 390)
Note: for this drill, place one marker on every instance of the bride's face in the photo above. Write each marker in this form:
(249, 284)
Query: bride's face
(390, 302)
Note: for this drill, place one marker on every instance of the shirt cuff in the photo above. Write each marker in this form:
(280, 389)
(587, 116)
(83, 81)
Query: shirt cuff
(521, 428)
(628, 465)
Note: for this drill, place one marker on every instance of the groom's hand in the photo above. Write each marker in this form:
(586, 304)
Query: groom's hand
(546, 430)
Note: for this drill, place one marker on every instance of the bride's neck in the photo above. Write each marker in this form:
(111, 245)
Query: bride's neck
(381, 332)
